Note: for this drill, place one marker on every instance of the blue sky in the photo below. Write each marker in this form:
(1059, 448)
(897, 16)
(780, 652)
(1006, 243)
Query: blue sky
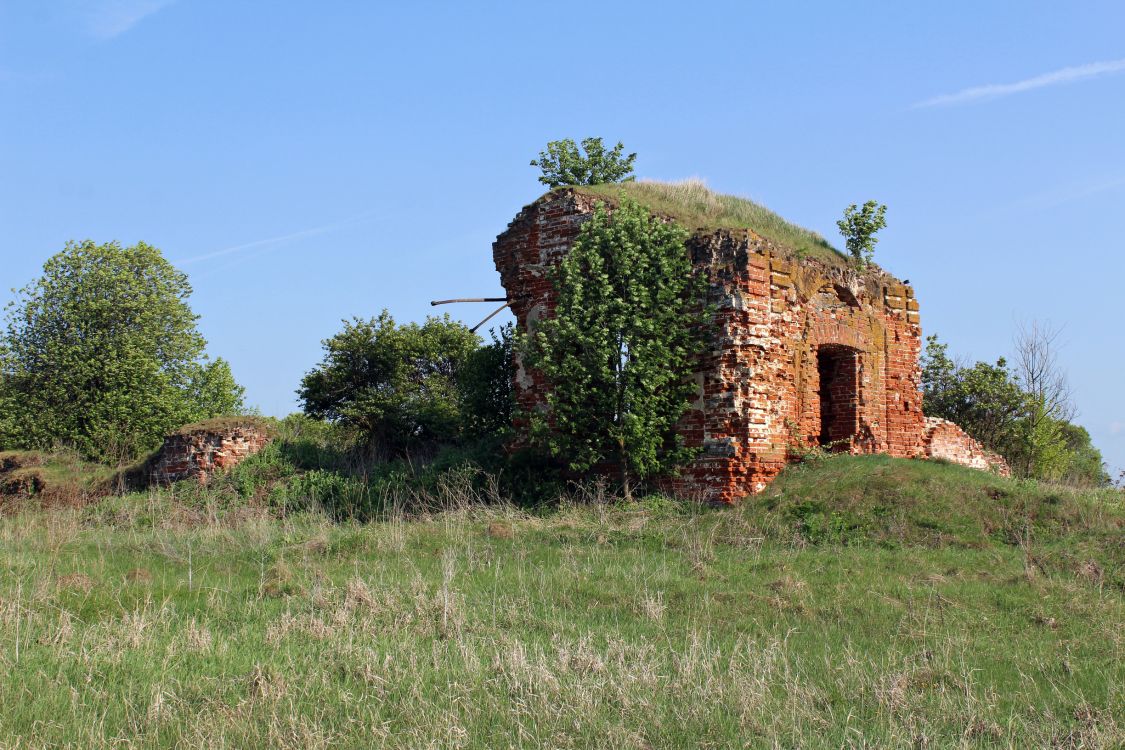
(308, 162)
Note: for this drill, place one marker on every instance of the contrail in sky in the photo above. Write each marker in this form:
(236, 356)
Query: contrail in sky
(272, 241)
(997, 90)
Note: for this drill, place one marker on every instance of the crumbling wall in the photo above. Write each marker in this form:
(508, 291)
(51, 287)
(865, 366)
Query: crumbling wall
(198, 451)
(784, 325)
(945, 440)
(781, 326)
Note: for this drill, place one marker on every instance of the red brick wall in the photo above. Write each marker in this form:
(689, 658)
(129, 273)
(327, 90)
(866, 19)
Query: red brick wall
(760, 381)
(198, 454)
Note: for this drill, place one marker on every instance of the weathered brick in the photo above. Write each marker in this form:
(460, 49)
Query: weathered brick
(196, 454)
(782, 327)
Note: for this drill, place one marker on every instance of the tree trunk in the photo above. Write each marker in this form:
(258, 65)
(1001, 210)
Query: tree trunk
(623, 467)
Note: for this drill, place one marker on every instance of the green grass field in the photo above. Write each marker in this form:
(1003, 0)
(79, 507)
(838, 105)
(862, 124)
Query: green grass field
(861, 602)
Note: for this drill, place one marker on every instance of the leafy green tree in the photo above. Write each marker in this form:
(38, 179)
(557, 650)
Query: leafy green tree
(563, 163)
(102, 354)
(394, 386)
(619, 352)
(859, 226)
(485, 386)
(1086, 465)
(984, 399)
(1043, 452)
(1012, 414)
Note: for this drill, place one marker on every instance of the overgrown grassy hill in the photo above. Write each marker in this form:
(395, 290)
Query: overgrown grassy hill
(696, 206)
(859, 602)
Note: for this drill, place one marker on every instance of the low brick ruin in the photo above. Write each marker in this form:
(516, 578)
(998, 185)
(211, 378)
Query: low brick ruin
(807, 353)
(198, 451)
(944, 440)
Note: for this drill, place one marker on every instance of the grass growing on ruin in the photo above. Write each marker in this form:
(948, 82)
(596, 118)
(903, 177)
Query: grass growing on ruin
(696, 206)
(939, 607)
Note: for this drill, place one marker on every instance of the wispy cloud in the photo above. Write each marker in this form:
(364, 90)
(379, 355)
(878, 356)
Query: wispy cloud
(997, 90)
(106, 19)
(1072, 193)
(273, 242)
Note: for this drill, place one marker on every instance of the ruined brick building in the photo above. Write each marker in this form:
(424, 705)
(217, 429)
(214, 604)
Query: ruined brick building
(808, 352)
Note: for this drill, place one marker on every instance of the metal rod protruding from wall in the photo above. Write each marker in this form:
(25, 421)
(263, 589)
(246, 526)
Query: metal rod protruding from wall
(491, 315)
(437, 302)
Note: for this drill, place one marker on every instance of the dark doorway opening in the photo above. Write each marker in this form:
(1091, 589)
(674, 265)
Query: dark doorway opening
(838, 367)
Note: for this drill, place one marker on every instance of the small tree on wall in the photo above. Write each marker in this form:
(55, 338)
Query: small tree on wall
(859, 226)
(563, 163)
(620, 350)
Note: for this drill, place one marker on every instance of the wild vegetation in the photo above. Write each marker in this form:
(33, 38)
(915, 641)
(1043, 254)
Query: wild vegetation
(101, 355)
(696, 206)
(387, 573)
(620, 349)
(1023, 412)
(394, 387)
(859, 227)
(564, 163)
(863, 601)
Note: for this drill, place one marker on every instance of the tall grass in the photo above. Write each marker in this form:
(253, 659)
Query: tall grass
(155, 620)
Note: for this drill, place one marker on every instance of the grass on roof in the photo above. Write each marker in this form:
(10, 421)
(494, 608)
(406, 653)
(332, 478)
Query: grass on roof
(696, 206)
(225, 424)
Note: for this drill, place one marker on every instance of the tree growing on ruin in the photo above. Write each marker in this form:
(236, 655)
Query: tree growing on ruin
(620, 350)
(102, 354)
(859, 226)
(564, 163)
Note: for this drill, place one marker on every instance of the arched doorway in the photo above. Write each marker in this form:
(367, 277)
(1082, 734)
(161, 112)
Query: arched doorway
(838, 367)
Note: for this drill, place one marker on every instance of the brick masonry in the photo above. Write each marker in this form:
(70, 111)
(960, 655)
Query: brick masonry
(197, 453)
(806, 352)
(945, 440)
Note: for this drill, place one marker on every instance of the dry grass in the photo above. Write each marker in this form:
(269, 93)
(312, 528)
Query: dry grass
(654, 624)
(698, 207)
(226, 424)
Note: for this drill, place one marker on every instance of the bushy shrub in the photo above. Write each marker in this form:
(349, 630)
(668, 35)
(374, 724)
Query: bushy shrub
(620, 350)
(339, 495)
(393, 386)
(485, 387)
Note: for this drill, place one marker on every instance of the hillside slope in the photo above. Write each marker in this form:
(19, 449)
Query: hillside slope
(861, 601)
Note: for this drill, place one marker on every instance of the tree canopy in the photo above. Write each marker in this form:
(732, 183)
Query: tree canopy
(563, 163)
(1022, 414)
(102, 354)
(620, 350)
(395, 386)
